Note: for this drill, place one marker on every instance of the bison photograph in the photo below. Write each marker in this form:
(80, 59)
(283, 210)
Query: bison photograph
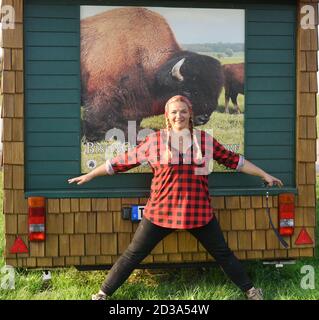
(233, 83)
(132, 63)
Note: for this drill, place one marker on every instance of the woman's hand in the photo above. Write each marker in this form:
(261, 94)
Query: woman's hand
(252, 169)
(81, 179)
(99, 171)
(270, 180)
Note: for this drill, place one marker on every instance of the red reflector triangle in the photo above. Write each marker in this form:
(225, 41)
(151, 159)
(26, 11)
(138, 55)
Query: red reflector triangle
(303, 237)
(19, 246)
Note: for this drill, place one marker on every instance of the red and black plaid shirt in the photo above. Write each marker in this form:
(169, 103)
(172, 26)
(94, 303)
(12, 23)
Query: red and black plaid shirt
(179, 195)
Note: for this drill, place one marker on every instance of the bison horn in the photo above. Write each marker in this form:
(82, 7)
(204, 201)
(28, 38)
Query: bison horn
(176, 72)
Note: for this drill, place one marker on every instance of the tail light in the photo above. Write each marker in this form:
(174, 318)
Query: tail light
(36, 208)
(286, 214)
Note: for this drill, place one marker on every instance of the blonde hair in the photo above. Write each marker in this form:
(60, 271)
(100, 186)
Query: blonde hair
(168, 152)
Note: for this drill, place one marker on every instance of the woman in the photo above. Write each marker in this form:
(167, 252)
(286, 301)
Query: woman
(179, 197)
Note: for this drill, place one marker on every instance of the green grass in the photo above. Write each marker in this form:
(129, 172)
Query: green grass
(188, 283)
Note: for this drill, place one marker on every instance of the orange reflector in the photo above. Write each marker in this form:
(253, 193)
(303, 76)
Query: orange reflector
(19, 246)
(303, 238)
(286, 198)
(34, 202)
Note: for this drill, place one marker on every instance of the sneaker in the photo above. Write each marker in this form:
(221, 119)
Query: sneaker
(98, 296)
(254, 294)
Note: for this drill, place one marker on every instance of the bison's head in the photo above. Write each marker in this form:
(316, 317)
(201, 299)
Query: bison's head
(198, 77)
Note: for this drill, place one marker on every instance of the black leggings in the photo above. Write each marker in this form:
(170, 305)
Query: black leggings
(147, 236)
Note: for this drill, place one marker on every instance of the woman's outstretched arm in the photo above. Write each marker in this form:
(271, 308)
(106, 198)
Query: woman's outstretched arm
(98, 171)
(252, 169)
(121, 163)
(236, 161)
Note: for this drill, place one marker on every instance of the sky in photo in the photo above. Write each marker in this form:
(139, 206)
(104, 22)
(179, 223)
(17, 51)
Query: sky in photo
(192, 25)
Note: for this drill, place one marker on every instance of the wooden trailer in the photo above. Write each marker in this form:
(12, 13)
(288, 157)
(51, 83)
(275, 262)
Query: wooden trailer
(83, 226)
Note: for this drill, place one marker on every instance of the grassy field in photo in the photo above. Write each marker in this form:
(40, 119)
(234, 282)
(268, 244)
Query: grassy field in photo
(227, 128)
(174, 284)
